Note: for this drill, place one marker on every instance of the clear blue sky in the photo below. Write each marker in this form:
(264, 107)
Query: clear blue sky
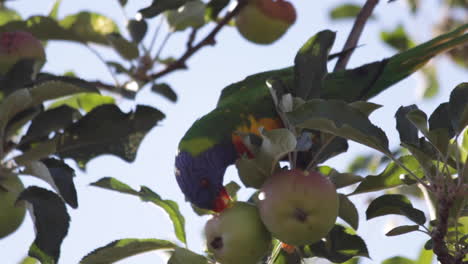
(104, 216)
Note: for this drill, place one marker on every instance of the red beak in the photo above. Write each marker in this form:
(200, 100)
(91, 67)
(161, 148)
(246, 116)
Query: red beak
(222, 201)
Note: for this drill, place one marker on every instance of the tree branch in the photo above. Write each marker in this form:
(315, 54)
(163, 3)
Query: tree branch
(355, 33)
(440, 231)
(208, 40)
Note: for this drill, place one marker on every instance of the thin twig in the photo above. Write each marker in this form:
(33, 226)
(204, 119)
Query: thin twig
(208, 40)
(355, 33)
(116, 81)
(161, 47)
(156, 33)
(192, 37)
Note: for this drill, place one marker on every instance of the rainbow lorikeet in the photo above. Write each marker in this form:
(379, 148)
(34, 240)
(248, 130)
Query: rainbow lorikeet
(211, 144)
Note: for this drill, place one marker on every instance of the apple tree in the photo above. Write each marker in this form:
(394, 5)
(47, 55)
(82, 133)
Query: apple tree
(279, 128)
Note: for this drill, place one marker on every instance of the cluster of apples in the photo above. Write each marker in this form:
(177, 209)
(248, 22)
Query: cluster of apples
(294, 206)
(15, 46)
(265, 21)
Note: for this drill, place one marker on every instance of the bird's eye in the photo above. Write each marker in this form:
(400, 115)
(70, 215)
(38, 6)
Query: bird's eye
(204, 183)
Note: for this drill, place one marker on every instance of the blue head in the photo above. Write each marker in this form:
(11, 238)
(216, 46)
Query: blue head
(201, 178)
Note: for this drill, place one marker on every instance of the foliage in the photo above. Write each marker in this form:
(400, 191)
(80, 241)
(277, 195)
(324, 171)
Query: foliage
(48, 120)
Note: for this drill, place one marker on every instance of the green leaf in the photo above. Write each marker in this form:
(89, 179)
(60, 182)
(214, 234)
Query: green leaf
(7, 15)
(124, 248)
(429, 245)
(42, 27)
(28, 260)
(48, 210)
(118, 68)
(464, 146)
(214, 7)
(353, 261)
(397, 39)
(90, 27)
(341, 244)
(232, 188)
(114, 185)
(171, 208)
(83, 27)
(50, 87)
(391, 176)
(399, 230)
(364, 107)
(137, 29)
(58, 175)
(310, 65)
(438, 137)
(107, 130)
(440, 119)
(369, 162)
(340, 180)
(406, 129)
(159, 6)
(251, 173)
(345, 11)
(274, 145)
(458, 107)
(425, 256)
(53, 13)
(185, 256)
(146, 194)
(338, 118)
(165, 90)
(13, 104)
(83, 101)
(191, 14)
(348, 211)
(126, 49)
(394, 204)
(47, 122)
(398, 260)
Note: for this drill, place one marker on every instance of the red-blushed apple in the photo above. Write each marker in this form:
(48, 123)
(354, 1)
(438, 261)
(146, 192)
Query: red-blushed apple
(298, 207)
(265, 21)
(18, 45)
(237, 235)
(11, 214)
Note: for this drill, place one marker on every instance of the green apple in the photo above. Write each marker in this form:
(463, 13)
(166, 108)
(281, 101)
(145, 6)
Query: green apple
(11, 214)
(18, 45)
(237, 235)
(265, 21)
(298, 207)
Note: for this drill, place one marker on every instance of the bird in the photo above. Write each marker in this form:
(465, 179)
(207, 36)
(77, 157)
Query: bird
(212, 143)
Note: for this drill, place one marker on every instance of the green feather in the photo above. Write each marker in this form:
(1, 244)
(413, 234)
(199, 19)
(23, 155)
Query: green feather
(251, 96)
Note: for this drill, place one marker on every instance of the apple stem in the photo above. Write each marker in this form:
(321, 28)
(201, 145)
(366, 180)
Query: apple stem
(355, 33)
